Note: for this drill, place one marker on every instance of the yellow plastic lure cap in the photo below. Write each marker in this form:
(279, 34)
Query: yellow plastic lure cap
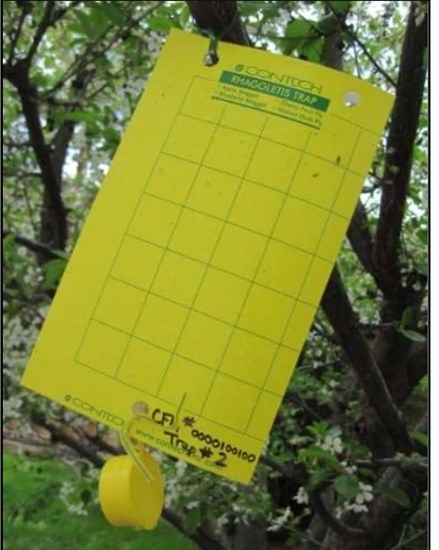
(127, 497)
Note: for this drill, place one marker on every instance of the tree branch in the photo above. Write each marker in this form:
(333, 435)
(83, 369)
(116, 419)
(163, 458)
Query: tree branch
(332, 522)
(60, 436)
(102, 444)
(221, 18)
(54, 218)
(338, 309)
(362, 244)
(34, 246)
(41, 30)
(410, 540)
(91, 53)
(400, 145)
(362, 46)
(416, 369)
(24, 12)
(361, 239)
(200, 537)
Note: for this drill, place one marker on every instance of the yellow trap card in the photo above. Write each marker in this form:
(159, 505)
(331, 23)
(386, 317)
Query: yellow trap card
(200, 267)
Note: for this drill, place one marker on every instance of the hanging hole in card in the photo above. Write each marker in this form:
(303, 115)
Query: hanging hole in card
(351, 99)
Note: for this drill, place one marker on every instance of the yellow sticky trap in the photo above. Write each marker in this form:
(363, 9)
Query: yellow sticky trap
(208, 248)
(127, 497)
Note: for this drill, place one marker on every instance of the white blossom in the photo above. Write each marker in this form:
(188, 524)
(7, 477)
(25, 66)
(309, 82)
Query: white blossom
(360, 503)
(192, 505)
(349, 469)
(365, 494)
(266, 445)
(332, 444)
(68, 496)
(222, 521)
(11, 408)
(281, 520)
(180, 468)
(154, 44)
(356, 508)
(301, 496)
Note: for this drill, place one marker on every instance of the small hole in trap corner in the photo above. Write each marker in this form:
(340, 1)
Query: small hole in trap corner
(139, 408)
(351, 99)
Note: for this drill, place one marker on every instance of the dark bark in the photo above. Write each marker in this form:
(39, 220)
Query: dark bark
(53, 215)
(220, 18)
(386, 518)
(392, 349)
(338, 309)
(400, 144)
(59, 435)
(200, 537)
(361, 240)
(41, 249)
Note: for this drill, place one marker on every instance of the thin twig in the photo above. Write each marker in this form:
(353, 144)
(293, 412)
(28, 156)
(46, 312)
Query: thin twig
(356, 60)
(337, 306)
(89, 55)
(410, 540)
(42, 28)
(34, 246)
(303, 535)
(24, 12)
(361, 44)
(332, 522)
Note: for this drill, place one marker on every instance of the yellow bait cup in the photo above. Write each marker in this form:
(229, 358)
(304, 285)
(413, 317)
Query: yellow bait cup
(127, 496)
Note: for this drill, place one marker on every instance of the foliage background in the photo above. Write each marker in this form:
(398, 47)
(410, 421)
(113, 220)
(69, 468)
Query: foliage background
(345, 465)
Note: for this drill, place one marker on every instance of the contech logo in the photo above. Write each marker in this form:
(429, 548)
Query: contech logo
(286, 79)
(87, 408)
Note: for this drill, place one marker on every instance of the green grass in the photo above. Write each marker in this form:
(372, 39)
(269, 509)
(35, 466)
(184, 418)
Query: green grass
(34, 516)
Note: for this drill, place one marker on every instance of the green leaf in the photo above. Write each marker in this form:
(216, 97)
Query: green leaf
(425, 58)
(8, 241)
(423, 235)
(340, 6)
(159, 23)
(328, 24)
(347, 486)
(76, 28)
(99, 19)
(407, 316)
(335, 431)
(248, 8)
(398, 496)
(313, 50)
(319, 429)
(413, 335)
(421, 437)
(423, 269)
(81, 116)
(88, 24)
(298, 29)
(185, 15)
(316, 453)
(53, 271)
(192, 520)
(112, 135)
(319, 476)
(112, 12)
